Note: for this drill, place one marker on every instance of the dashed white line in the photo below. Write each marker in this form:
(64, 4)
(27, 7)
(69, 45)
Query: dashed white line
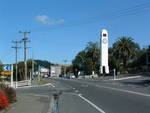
(92, 104)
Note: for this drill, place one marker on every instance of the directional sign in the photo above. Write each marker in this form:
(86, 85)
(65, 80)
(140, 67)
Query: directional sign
(7, 68)
(6, 73)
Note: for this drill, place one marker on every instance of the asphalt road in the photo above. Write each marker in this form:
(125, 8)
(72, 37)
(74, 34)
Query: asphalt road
(85, 96)
(100, 98)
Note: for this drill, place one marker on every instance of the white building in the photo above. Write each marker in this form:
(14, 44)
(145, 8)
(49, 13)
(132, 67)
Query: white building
(55, 71)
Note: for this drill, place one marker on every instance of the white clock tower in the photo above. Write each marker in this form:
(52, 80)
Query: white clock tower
(104, 68)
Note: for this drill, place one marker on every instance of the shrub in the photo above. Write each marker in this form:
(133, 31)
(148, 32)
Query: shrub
(4, 102)
(9, 92)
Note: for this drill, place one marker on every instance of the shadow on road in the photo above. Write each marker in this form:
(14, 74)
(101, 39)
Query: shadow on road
(142, 83)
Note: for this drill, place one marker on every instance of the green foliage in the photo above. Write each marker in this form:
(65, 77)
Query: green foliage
(79, 62)
(93, 52)
(37, 63)
(44, 63)
(1, 69)
(140, 63)
(89, 66)
(69, 69)
(125, 55)
(125, 49)
(87, 60)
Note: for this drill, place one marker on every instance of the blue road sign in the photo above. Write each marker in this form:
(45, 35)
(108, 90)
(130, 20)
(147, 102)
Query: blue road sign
(7, 68)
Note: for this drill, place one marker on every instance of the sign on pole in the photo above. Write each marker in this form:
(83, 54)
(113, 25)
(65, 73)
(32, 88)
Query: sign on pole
(7, 68)
(12, 75)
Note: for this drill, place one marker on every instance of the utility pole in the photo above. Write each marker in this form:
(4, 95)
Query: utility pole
(65, 61)
(16, 47)
(25, 40)
(32, 65)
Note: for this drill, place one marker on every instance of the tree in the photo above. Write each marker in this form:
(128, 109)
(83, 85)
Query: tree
(140, 63)
(87, 60)
(43, 63)
(92, 51)
(89, 66)
(125, 50)
(79, 62)
(37, 63)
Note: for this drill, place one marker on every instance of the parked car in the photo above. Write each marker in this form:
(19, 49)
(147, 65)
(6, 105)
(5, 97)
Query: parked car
(72, 76)
(45, 76)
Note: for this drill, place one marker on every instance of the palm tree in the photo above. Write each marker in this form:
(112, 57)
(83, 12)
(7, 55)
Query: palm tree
(125, 49)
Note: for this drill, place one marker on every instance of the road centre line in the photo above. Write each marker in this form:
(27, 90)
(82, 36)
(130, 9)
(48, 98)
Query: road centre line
(92, 104)
(123, 90)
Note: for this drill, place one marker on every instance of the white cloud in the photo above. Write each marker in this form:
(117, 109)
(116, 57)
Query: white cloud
(44, 19)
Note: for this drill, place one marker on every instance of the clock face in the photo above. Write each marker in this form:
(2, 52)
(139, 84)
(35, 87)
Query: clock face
(105, 40)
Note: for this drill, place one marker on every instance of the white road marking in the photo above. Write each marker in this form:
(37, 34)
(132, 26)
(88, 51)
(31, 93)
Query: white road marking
(50, 84)
(124, 78)
(37, 86)
(127, 91)
(92, 104)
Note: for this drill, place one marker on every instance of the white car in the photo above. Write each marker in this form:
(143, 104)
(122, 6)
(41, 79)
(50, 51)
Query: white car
(72, 76)
(45, 76)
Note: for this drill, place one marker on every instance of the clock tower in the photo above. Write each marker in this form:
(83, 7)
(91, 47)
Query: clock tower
(104, 68)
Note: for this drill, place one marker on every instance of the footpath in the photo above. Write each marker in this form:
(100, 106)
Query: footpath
(29, 101)
(30, 104)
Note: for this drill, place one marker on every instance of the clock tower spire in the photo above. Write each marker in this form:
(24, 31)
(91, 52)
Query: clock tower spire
(104, 68)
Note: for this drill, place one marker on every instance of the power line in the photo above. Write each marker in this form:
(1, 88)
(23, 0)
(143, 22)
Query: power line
(134, 10)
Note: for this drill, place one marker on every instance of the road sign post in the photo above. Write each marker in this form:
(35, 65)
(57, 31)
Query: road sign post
(12, 76)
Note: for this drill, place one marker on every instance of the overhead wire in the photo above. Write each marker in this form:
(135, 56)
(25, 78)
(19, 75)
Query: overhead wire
(134, 10)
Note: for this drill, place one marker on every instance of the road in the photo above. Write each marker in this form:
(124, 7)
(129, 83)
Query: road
(90, 96)
(104, 98)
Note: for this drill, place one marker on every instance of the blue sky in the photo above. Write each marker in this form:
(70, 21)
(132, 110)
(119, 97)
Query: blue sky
(62, 28)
